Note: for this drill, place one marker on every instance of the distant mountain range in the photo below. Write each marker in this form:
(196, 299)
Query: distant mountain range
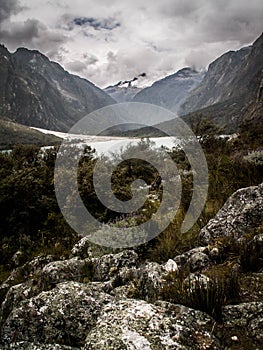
(224, 99)
(230, 96)
(172, 91)
(122, 93)
(227, 97)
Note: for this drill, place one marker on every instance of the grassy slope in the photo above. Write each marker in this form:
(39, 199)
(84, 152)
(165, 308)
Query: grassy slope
(13, 133)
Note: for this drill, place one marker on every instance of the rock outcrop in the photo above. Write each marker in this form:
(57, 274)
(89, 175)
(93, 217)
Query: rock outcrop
(242, 212)
(117, 301)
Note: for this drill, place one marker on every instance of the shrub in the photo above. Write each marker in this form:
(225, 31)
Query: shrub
(206, 292)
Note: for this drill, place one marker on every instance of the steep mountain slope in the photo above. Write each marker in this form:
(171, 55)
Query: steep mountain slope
(228, 99)
(234, 74)
(37, 92)
(171, 91)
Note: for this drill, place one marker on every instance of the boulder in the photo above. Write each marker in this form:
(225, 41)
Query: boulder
(242, 212)
(63, 315)
(37, 346)
(136, 324)
(63, 270)
(24, 273)
(244, 322)
(110, 265)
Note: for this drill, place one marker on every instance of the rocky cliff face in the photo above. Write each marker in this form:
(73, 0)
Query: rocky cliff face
(116, 301)
(234, 74)
(171, 91)
(37, 92)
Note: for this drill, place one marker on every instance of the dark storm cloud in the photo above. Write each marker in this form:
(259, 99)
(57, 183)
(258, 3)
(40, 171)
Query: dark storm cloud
(215, 21)
(8, 7)
(32, 33)
(96, 23)
(22, 32)
(122, 38)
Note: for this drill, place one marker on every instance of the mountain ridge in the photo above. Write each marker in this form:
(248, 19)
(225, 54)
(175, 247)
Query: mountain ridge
(38, 92)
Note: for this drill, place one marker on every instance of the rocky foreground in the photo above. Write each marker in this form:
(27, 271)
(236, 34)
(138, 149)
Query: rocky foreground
(210, 297)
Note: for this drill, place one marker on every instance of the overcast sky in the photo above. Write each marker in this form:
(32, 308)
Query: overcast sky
(111, 40)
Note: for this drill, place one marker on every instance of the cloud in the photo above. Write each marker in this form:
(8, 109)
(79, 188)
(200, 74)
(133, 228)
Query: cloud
(33, 34)
(78, 66)
(96, 23)
(110, 41)
(22, 32)
(9, 7)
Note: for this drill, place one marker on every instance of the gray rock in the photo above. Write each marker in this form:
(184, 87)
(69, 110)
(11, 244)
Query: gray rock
(63, 315)
(136, 324)
(110, 265)
(17, 258)
(63, 270)
(242, 212)
(245, 321)
(198, 261)
(15, 295)
(251, 287)
(24, 273)
(37, 346)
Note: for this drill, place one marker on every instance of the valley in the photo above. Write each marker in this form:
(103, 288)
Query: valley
(131, 217)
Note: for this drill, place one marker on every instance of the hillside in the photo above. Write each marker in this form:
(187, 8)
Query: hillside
(12, 133)
(37, 92)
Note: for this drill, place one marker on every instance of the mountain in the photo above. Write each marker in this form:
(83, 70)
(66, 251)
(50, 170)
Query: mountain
(234, 74)
(37, 92)
(228, 99)
(171, 91)
(12, 133)
(122, 94)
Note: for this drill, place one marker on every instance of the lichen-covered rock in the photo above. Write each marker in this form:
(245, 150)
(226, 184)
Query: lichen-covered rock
(251, 286)
(135, 324)
(23, 273)
(245, 322)
(82, 248)
(15, 295)
(109, 265)
(150, 280)
(63, 270)
(242, 212)
(63, 315)
(197, 258)
(37, 346)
